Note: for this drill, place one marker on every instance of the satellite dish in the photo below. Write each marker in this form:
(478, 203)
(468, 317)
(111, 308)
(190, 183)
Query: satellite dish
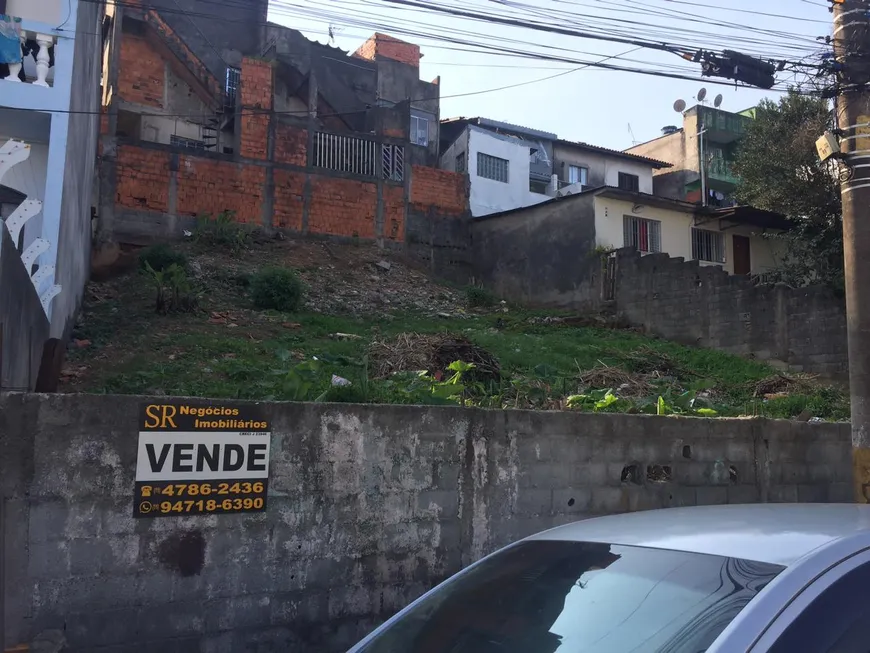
(680, 106)
(702, 95)
(718, 101)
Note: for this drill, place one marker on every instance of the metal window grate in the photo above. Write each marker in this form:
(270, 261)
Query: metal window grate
(642, 234)
(357, 156)
(420, 131)
(188, 143)
(708, 246)
(460, 162)
(231, 88)
(492, 167)
(393, 162)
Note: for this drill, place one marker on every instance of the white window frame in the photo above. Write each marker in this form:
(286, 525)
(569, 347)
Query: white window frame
(493, 167)
(635, 240)
(708, 245)
(578, 174)
(420, 130)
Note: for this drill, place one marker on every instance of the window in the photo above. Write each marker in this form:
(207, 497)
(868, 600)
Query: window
(845, 616)
(545, 596)
(420, 130)
(461, 162)
(232, 86)
(578, 175)
(188, 143)
(708, 246)
(629, 182)
(538, 186)
(641, 234)
(491, 167)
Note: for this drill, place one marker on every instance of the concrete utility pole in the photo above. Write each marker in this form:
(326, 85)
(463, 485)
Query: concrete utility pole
(851, 39)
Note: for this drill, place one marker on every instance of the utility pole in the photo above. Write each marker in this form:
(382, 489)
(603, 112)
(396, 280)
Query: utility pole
(851, 40)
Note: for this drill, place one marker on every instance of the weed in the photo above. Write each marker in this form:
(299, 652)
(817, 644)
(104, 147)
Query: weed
(479, 297)
(276, 288)
(222, 231)
(173, 292)
(161, 256)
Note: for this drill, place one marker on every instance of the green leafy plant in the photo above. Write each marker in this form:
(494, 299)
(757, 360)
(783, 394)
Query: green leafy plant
(479, 297)
(221, 231)
(161, 256)
(173, 292)
(277, 288)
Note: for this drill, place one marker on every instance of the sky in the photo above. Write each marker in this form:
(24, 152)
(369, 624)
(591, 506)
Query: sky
(613, 109)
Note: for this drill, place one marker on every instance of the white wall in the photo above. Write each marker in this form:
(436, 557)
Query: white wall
(676, 234)
(44, 11)
(490, 196)
(612, 168)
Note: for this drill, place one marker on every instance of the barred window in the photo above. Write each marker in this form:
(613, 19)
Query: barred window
(642, 234)
(708, 246)
(492, 167)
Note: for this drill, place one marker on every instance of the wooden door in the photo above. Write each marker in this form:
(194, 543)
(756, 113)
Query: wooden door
(742, 260)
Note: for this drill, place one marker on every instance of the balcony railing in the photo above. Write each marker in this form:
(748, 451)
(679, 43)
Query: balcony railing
(358, 156)
(37, 51)
(721, 169)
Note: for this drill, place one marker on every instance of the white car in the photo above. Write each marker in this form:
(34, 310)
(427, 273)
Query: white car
(783, 578)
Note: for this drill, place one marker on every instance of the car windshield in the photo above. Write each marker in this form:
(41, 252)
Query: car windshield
(545, 596)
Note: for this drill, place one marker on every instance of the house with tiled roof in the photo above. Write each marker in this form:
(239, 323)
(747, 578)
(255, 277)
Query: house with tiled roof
(510, 166)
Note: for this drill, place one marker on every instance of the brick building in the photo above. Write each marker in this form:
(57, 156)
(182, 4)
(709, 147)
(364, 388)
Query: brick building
(284, 132)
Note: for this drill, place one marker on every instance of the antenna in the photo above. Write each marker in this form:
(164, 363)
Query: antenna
(702, 95)
(680, 106)
(718, 101)
(634, 141)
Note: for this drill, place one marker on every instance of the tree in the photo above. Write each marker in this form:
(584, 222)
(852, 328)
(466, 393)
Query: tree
(779, 170)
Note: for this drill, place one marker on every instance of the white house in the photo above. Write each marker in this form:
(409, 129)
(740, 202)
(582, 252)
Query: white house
(50, 100)
(512, 167)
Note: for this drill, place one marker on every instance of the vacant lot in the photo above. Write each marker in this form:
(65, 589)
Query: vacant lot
(372, 330)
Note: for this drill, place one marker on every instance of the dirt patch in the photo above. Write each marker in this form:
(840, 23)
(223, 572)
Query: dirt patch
(626, 384)
(410, 352)
(780, 385)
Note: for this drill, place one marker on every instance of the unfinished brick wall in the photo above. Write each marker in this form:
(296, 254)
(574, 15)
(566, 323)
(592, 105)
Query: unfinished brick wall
(256, 96)
(291, 145)
(342, 207)
(289, 199)
(142, 73)
(211, 187)
(394, 213)
(387, 47)
(445, 191)
(185, 54)
(143, 178)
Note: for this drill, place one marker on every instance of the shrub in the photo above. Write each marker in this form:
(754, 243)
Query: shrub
(160, 257)
(478, 297)
(221, 231)
(276, 288)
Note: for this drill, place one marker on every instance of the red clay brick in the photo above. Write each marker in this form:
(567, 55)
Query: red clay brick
(141, 72)
(143, 178)
(446, 192)
(394, 213)
(291, 145)
(342, 207)
(388, 47)
(212, 187)
(289, 188)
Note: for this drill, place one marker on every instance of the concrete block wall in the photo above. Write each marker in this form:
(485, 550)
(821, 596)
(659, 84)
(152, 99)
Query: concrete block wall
(368, 507)
(801, 329)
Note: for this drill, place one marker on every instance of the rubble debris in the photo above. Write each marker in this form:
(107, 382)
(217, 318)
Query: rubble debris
(384, 265)
(628, 384)
(409, 352)
(780, 385)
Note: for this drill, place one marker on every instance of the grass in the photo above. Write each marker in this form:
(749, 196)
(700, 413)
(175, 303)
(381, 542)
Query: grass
(230, 350)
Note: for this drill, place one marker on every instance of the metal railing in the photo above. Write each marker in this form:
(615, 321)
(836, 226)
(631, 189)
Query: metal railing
(358, 156)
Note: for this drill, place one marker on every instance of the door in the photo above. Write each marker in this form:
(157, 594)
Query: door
(742, 261)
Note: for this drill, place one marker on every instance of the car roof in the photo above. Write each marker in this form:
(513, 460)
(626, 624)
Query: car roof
(777, 534)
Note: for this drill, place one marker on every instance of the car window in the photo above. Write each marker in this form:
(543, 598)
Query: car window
(837, 621)
(577, 597)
